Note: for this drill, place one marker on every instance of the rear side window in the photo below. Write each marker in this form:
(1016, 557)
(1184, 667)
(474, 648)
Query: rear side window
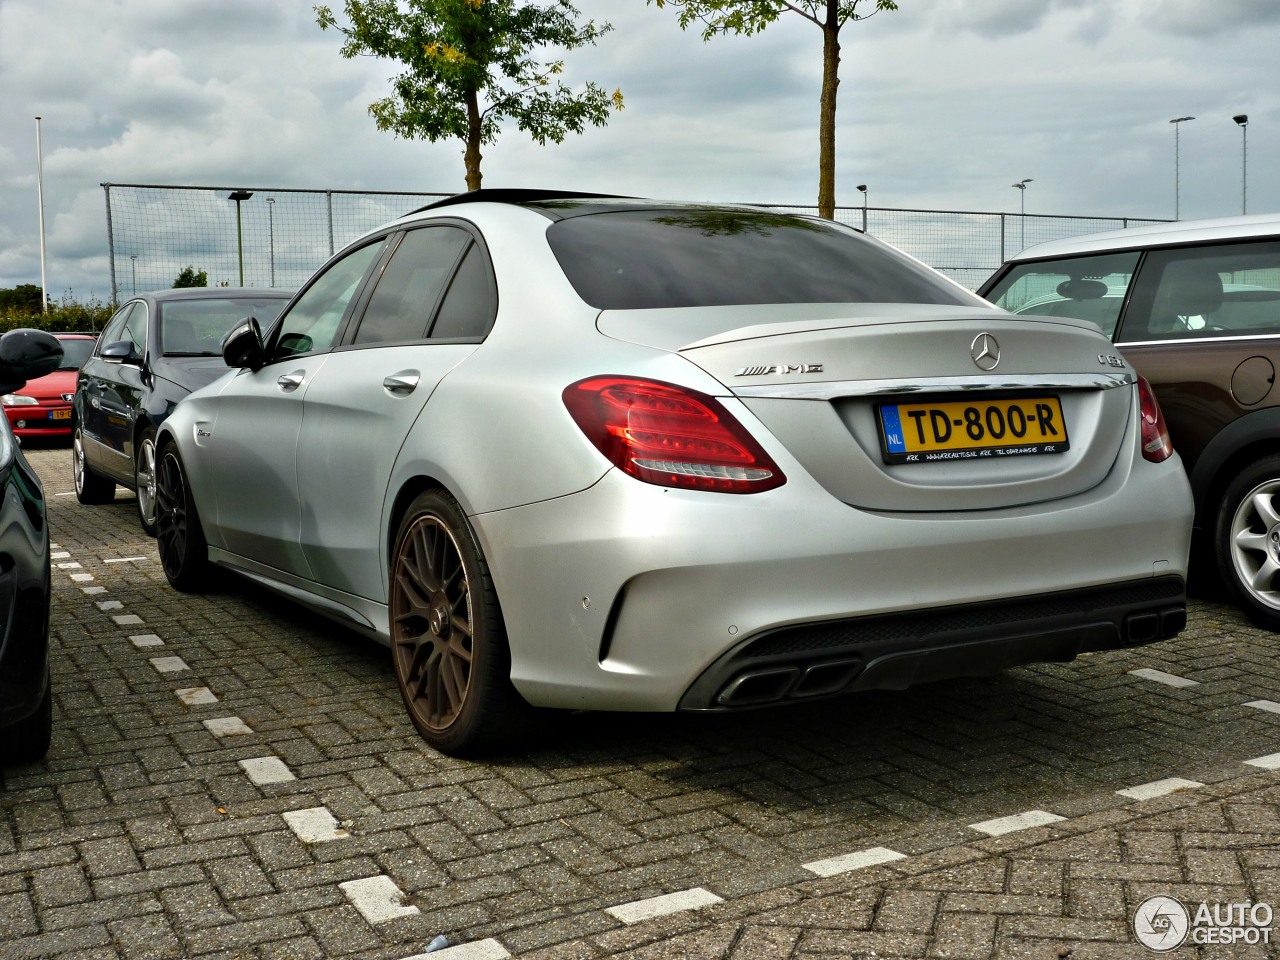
(693, 257)
(411, 285)
(1086, 288)
(1228, 290)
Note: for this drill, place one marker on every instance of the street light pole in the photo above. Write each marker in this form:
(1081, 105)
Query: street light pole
(1176, 173)
(133, 273)
(1021, 187)
(271, 228)
(862, 189)
(237, 196)
(1243, 120)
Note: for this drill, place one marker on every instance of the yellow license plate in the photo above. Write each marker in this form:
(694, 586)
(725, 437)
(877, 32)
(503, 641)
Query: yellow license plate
(60, 414)
(972, 429)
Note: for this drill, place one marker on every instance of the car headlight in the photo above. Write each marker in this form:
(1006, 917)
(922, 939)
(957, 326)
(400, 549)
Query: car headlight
(18, 400)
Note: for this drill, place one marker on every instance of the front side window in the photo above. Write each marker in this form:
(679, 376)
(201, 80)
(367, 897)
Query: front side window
(114, 330)
(312, 324)
(1086, 288)
(1227, 290)
(702, 257)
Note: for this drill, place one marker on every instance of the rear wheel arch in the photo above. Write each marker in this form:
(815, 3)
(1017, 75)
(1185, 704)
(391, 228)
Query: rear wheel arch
(1240, 443)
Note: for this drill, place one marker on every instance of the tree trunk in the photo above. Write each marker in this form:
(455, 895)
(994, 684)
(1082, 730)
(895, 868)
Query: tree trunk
(472, 155)
(827, 113)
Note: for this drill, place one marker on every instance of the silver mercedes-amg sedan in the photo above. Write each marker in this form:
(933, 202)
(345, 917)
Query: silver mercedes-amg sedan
(614, 454)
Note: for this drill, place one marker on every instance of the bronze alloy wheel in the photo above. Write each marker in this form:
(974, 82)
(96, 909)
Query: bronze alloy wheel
(447, 637)
(179, 536)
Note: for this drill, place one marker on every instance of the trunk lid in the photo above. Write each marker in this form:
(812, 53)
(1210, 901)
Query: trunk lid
(820, 378)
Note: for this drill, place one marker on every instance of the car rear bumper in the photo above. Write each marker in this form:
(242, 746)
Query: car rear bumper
(628, 596)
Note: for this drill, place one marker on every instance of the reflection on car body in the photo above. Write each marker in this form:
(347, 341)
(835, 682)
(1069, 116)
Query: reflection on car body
(599, 453)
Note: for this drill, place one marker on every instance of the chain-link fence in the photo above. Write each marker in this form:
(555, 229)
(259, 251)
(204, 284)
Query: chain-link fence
(274, 236)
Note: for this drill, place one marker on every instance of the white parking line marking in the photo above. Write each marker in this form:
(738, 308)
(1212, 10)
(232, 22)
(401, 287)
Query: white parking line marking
(694, 899)
(1159, 788)
(314, 825)
(262, 770)
(128, 619)
(146, 640)
(476, 950)
(91, 591)
(69, 565)
(227, 727)
(1270, 762)
(1168, 679)
(169, 664)
(59, 555)
(105, 605)
(125, 559)
(378, 899)
(1019, 821)
(82, 577)
(853, 861)
(1268, 705)
(196, 696)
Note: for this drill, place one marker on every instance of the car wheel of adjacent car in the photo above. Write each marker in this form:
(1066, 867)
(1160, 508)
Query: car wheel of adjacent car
(90, 487)
(1247, 541)
(448, 639)
(144, 479)
(29, 739)
(179, 536)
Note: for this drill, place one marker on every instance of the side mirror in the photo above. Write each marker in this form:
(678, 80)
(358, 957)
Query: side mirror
(242, 346)
(26, 354)
(121, 351)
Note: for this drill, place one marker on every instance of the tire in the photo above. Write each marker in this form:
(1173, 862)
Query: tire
(448, 639)
(184, 555)
(1247, 541)
(28, 740)
(144, 479)
(91, 487)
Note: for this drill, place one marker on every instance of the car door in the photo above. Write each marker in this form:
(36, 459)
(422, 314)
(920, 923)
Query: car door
(259, 413)
(433, 304)
(112, 384)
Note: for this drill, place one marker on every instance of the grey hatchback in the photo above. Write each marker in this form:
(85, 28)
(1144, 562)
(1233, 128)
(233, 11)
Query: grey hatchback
(1195, 307)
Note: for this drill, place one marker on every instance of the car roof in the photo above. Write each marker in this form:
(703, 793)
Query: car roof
(1157, 235)
(562, 204)
(214, 293)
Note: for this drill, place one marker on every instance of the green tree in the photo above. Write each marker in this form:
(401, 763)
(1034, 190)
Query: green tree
(469, 66)
(189, 277)
(749, 17)
(23, 297)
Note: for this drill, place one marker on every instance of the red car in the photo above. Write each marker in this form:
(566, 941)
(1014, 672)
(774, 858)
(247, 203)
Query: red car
(43, 407)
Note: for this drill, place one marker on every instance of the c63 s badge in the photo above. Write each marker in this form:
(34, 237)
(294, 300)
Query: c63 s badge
(764, 370)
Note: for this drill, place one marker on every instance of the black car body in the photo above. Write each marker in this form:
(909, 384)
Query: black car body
(26, 701)
(156, 349)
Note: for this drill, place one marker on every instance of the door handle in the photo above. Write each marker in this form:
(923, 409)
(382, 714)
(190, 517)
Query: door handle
(291, 381)
(402, 383)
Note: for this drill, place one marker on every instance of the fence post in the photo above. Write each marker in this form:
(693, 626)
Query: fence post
(328, 202)
(111, 246)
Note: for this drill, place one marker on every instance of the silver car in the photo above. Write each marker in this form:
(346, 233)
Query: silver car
(613, 454)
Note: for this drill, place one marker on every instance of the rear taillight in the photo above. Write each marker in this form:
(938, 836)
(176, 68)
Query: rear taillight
(670, 436)
(1156, 445)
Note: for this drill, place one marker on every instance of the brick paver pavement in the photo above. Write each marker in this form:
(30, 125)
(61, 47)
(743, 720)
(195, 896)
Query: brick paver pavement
(234, 778)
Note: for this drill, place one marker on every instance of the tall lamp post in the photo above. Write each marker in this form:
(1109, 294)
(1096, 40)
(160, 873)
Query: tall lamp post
(1176, 173)
(133, 273)
(1021, 187)
(238, 196)
(271, 234)
(1243, 120)
(862, 189)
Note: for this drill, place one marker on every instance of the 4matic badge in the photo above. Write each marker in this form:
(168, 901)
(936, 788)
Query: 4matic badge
(764, 370)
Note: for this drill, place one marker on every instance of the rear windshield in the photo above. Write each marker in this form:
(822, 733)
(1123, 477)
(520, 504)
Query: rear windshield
(694, 257)
(195, 328)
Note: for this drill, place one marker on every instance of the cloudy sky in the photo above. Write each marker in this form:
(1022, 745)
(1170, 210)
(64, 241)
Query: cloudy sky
(943, 105)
